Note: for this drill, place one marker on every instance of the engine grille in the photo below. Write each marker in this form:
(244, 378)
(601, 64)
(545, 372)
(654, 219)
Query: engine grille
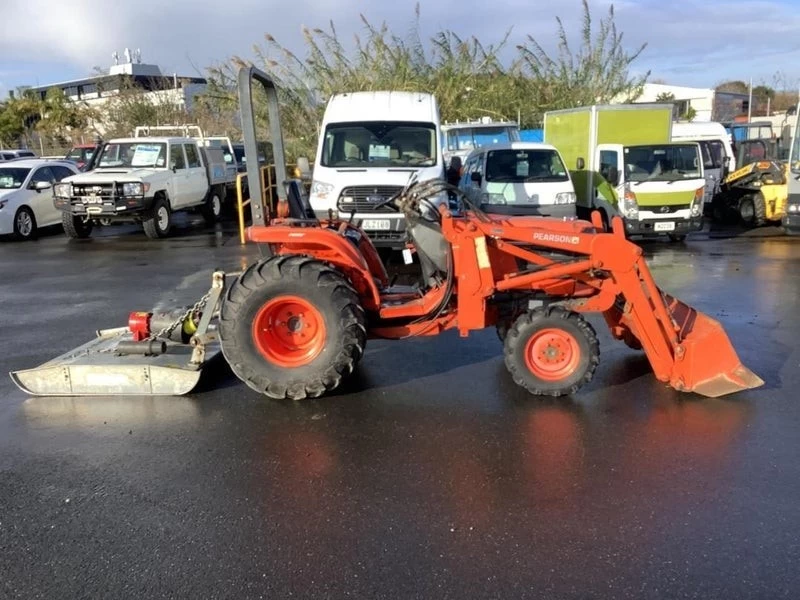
(665, 209)
(363, 198)
(101, 190)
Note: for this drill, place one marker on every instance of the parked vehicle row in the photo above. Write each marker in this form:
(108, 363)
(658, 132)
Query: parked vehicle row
(627, 161)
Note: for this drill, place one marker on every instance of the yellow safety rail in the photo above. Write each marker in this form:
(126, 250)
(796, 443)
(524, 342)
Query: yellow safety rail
(268, 192)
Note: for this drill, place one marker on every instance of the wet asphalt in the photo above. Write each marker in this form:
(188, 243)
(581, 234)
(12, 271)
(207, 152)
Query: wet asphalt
(429, 475)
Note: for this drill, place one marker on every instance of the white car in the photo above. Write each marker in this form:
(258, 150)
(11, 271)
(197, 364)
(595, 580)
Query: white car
(26, 195)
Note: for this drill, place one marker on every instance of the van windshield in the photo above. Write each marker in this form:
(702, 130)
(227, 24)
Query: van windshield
(379, 144)
(667, 162)
(521, 166)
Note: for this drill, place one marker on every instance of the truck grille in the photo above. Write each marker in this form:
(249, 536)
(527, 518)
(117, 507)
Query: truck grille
(363, 198)
(101, 190)
(665, 209)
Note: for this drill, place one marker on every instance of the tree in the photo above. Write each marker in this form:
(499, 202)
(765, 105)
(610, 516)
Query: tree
(597, 73)
(736, 87)
(131, 108)
(19, 117)
(467, 76)
(63, 119)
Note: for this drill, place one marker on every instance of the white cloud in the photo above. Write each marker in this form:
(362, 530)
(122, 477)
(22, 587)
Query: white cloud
(693, 41)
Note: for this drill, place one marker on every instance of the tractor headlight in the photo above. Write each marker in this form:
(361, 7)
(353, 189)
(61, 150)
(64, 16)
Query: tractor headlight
(566, 198)
(321, 189)
(697, 203)
(630, 208)
(134, 189)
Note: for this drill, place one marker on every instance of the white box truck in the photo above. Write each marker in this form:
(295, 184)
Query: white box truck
(625, 163)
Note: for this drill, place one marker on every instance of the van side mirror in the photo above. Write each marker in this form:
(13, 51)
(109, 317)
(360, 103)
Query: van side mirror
(613, 176)
(580, 163)
(476, 177)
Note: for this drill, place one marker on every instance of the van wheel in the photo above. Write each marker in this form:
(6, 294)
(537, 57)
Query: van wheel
(159, 220)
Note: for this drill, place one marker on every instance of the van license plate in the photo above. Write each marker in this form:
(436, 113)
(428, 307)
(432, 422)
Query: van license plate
(666, 226)
(376, 224)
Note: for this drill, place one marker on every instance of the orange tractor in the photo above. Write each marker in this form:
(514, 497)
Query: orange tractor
(295, 323)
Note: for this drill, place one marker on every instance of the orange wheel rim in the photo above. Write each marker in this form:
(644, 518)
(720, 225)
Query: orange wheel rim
(289, 332)
(552, 354)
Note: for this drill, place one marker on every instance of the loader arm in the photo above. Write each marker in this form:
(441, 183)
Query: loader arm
(595, 272)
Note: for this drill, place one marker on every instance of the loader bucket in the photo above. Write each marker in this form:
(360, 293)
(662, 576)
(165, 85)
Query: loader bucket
(705, 361)
(95, 369)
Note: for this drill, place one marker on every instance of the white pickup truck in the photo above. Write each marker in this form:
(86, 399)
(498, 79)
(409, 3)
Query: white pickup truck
(143, 180)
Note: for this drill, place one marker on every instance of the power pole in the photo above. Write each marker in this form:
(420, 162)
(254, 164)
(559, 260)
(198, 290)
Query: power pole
(750, 103)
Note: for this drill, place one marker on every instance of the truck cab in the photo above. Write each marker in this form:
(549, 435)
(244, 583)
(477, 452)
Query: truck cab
(626, 164)
(370, 146)
(716, 152)
(655, 188)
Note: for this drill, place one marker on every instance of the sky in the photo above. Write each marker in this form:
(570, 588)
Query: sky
(689, 42)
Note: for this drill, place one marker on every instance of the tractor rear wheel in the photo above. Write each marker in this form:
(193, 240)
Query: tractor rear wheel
(552, 351)
(292, 328)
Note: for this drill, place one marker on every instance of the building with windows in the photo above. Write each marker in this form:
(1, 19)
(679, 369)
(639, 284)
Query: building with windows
(708, 104)
(157, 86)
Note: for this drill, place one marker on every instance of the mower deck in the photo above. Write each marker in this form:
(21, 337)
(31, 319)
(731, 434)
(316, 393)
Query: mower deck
(96, 369)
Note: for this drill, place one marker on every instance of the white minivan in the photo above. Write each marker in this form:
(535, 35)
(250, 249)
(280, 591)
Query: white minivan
(370, 145)
(519, 178)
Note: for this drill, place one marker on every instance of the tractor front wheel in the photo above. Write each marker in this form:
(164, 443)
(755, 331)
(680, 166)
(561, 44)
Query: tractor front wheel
(292, 328)
(551, 351)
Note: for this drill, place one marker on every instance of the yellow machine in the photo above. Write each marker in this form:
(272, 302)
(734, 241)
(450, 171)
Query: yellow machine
(755, 195)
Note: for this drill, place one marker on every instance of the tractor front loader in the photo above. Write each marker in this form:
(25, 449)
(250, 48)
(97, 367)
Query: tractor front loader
(295, 323)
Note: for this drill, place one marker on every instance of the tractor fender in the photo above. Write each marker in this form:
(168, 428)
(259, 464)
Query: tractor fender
(326, 245)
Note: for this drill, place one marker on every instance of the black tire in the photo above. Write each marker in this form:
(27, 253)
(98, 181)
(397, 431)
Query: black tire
(76, 227)
(586, 350)
(502, 330)
(677, 237)
(25, 225)
(331, 296)
(212, 209)
(753, 210)
(158, 221)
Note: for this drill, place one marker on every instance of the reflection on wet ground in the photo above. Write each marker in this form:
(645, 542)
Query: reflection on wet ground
(429, 475)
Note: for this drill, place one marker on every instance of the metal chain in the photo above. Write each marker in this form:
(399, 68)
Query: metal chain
(166, 332)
